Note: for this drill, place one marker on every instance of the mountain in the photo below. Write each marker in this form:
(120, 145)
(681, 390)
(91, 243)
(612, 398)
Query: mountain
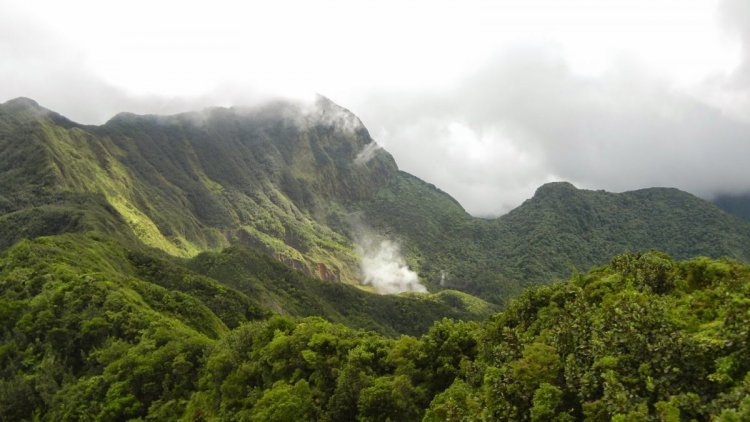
(738, 205)
(106, 201)
(206, 266)
(559, 231)
(304, 183)
(200, 181)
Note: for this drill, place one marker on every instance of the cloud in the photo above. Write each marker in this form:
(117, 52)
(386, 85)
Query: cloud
(527, 118)
(736, 15)
(367, 153)
(730, 92)
(39, 63)
(384, 268)
(513, 97)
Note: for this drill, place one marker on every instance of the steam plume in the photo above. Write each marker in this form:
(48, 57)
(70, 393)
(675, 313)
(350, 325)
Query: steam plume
(382, 264)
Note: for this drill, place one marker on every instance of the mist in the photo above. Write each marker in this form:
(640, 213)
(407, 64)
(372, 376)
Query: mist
(527, 118)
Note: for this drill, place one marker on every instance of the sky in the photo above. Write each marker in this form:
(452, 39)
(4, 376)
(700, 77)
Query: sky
(485, 99)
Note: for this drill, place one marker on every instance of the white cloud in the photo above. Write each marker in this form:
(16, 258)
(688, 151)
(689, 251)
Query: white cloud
(528, 118)
(487, 100)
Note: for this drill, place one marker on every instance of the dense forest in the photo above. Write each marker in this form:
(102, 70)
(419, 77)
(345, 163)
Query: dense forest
(642, 338)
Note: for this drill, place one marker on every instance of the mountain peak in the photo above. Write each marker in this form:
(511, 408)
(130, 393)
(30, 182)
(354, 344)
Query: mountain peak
(26, 108)
(22, 102)
(552, 189)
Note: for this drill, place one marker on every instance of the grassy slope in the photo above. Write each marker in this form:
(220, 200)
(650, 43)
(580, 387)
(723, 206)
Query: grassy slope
(267, 177)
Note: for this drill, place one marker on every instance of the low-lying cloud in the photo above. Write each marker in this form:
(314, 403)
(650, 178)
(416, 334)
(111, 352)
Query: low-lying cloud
(367, 153)
(527, 119)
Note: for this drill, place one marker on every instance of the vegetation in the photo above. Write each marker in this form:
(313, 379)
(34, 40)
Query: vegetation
(643, 338)
(559, 231)
(284, 178)
(195, 267)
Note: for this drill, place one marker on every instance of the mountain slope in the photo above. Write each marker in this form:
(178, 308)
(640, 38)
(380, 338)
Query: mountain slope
(201, 181)
(738, 205)
(144, 265)
(559, 231)
(298, 180)
(590, 224)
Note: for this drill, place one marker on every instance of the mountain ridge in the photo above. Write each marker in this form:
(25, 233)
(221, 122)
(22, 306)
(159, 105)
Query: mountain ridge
(287, 177)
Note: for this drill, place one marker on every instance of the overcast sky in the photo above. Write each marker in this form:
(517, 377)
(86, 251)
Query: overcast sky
(485, 99)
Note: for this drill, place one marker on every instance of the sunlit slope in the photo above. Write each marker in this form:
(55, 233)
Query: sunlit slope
(274, 177)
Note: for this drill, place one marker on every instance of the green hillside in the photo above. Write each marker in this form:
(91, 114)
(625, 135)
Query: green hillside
(285, 178)
(643, 338)
(269, 177)
(560, 231)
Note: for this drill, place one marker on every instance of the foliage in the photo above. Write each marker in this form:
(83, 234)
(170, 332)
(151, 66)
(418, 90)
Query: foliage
(150, 270)
(275, 286)
(560, 231)
(92, 329)
(643, 338)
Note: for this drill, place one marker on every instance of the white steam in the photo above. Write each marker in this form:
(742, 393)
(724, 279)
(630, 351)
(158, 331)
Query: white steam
(383, 267)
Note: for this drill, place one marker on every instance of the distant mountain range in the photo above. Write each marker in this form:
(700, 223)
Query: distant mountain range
(302, 183)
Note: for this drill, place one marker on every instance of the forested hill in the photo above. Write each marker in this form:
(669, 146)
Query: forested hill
(643, 338)
(573, 228)
(299, 180)
(559, 231)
